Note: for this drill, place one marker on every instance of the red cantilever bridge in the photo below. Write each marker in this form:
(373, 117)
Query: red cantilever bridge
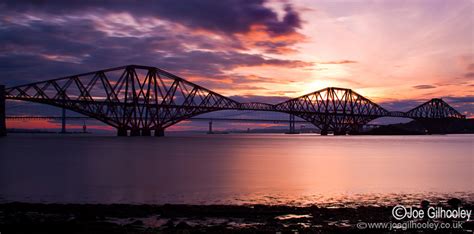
(143, 100)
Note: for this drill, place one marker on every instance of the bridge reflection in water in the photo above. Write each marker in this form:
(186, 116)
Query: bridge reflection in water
(141, 100)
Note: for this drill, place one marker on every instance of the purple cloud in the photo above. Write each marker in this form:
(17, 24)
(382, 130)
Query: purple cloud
(47, 41)
(228, 16)
(424, 86)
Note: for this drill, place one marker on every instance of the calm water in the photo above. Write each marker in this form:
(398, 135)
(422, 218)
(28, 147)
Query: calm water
(289, 169)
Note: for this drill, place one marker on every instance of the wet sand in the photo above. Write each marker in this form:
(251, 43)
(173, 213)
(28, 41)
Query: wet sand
(122, 218)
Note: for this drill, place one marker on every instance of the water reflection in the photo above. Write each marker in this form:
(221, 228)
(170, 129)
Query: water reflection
(234, 169)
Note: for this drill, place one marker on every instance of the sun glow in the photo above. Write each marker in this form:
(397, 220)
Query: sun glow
(315, 85)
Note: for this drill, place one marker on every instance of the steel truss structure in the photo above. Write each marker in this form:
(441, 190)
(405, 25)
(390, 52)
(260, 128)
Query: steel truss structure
(436, 108)
(334, 110)
(143, 100)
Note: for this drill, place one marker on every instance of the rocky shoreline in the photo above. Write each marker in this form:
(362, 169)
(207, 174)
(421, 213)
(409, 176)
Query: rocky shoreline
(123, 218)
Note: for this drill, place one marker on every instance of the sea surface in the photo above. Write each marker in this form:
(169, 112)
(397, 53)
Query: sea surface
(236, 169)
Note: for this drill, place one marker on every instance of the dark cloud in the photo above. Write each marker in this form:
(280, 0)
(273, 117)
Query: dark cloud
(339, 62)
(424, 86)
(40, 40)
(275, 47)
(235, 20)
(43, 49)
(469, 75)
(465, 104)
(463, 100)
(228, 16)
(401, 105)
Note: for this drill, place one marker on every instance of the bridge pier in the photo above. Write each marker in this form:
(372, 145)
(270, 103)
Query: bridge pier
(3, 125)
(63, 121)
(122, 132)
(210, 128)
(146, 132)
(355, 130)
(324, 132)
(159, 132)
(292, 128)
(135, 132)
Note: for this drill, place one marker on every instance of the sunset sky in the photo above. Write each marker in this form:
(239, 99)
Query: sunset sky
(397, 53)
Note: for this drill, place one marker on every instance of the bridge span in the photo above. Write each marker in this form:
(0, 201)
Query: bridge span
(142, 100)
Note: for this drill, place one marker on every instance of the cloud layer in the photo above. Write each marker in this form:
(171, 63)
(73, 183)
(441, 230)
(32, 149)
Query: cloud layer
(200, 39)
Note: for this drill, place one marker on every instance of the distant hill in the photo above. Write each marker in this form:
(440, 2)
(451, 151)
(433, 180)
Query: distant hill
(453, 126)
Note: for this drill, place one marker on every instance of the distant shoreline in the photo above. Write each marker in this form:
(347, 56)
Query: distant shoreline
(45, 132)
(411, 128)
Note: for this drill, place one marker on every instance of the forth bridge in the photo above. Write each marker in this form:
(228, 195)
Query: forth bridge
(143, 100)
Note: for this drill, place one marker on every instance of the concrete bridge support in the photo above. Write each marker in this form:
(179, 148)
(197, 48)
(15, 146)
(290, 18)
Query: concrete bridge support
(324, 131)
(339, 132)
(135, 132)
(3, 125)
(63, 121)
(292, 128)
(146, 132)
(122, 132)
(159, 132)
(210, 128)
(355, 129)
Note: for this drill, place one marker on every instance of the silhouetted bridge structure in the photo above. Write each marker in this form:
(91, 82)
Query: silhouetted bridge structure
(141, 100)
